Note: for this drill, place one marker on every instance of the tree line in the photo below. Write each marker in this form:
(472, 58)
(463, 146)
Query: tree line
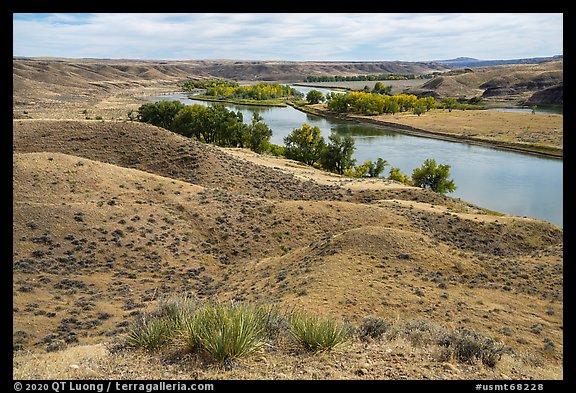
(380, 100)
(306, 145)
(369, 77)
(377, 104)
(220, 88)
(210, 124)
(222, 127)
(190, 85)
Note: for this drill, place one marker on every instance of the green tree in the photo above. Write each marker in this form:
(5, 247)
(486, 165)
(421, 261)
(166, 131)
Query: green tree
(161, 113)
(337, 154)
(358, 170)
(259, 135)
(434, 177)
(304, 144)
(226, 128)
(391, 105)
(314, 97)
(396, 175)
(419, 109)
(215, 124)
(191, 121)
(376, 168)
(427, 102)
(368, 168)
(339, 102)
(449, 103)
(379, 88)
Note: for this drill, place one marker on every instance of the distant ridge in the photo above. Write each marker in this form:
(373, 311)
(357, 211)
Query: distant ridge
(472, 62)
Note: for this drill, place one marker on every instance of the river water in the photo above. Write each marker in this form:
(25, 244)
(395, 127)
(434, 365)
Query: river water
(504, 181)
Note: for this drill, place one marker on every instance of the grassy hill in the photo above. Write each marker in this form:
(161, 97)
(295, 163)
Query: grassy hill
(513, 83)
(110, 217)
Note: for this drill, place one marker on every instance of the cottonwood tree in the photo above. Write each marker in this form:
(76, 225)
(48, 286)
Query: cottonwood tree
(304, 144)
(337, 154)
(161, 113)
(434, 177)
(314, 97)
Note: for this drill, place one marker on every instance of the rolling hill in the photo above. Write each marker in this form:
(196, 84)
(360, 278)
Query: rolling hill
(112, 216)
(108, 217)
(513, 83)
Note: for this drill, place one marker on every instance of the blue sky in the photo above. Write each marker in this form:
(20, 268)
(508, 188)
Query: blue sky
(289, 36)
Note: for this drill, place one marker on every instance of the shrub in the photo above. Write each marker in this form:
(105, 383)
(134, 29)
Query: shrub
(368, 169)
(417, 331)
(151, 333)
(275, 321)
(317, 334)
(276, 150)
(467, 346)
(226, 332)
(176, 309)
(373, 327)
(396, 175)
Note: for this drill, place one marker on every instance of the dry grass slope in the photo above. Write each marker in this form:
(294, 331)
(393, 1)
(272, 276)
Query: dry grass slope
(518, 82)
(110, 216)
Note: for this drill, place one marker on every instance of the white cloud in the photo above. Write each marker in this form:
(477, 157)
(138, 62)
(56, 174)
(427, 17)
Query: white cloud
(292, 36)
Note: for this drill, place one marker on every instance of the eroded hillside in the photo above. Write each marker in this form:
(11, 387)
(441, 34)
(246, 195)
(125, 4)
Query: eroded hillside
(533, 83)
(110, 216)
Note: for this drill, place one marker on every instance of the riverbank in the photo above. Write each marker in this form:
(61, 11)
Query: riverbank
(540, 134)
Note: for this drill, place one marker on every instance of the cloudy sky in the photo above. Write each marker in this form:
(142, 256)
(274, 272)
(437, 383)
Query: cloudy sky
(287, 36)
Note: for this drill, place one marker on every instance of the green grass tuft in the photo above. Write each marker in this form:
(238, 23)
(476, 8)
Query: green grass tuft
(151, 333)
(226, 332)
(317, 334)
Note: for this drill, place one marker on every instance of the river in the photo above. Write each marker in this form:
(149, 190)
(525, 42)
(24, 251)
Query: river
(500, 180)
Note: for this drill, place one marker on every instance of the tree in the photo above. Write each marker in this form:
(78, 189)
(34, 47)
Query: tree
(259, 134)
(336, 156)
(396, 175)
(434, 177)
(391, 105)
(191, 121)
(314, 97)
(419, 109)
(215, 124)
(304, 144)
(375, 168)
(339, 102)
(226, 127)
(427, 102)
(449, 103)
(368, 168)
(379, 88)
(359, 170)
(161, 113)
